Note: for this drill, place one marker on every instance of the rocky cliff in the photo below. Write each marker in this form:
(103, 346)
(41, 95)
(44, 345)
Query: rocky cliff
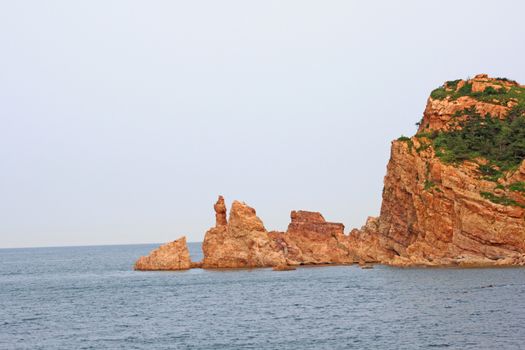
(454, 193)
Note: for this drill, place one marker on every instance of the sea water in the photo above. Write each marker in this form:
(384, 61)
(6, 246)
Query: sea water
(90, 298)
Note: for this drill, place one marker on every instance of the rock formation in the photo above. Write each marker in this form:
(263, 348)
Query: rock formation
(436, 212)
(311, 240)
(220, 212)
(244, 241)
(170, 256)
(240, 242)
(454, 194)
(443, 114)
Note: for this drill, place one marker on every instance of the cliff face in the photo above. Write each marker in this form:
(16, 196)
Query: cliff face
(440, 212)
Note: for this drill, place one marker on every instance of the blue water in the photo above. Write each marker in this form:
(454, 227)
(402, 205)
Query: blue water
(90, 298)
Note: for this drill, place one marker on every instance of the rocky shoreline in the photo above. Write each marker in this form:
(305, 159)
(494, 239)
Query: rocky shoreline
(436, 212)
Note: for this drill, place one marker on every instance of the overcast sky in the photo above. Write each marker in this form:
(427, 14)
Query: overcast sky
(121, 121)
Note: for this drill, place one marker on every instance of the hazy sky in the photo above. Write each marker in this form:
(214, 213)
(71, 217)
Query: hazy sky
(121, 121)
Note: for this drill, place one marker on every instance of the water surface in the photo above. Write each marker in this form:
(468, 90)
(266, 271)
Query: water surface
(90, 298)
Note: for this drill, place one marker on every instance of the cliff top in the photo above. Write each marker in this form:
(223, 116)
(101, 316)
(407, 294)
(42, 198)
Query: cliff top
(499, 91)
(455, 101)
(480, 120)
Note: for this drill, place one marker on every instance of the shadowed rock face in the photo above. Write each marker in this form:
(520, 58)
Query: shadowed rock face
(170, 256)
(433, 213)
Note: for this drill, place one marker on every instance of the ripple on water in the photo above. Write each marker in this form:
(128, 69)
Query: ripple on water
(89, 298)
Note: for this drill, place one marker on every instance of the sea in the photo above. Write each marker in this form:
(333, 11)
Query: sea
(90, 298)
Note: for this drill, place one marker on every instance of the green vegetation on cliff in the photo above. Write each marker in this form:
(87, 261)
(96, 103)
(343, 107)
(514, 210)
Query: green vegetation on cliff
(495, 95)
(504, 200)
(500, 142)
(496, 143)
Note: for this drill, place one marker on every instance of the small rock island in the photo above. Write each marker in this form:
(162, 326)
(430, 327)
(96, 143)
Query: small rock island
(454, 195)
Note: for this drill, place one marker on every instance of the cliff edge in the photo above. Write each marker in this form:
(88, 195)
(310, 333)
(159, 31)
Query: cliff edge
(454, 192)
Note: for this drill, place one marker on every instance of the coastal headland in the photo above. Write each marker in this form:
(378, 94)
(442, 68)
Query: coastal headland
(454, 195)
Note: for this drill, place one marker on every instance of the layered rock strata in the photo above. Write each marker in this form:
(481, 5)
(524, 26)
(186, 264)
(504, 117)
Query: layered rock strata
(242, 241)
(437, 213)
(309, 240)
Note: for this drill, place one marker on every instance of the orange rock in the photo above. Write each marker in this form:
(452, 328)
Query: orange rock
(220, 212)
(283, 268)
(169, 256)
(311, 240)
(442, 114)
(433, 214)
(242, 242)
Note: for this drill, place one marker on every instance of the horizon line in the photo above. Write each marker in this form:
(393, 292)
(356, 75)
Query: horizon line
(87, 245)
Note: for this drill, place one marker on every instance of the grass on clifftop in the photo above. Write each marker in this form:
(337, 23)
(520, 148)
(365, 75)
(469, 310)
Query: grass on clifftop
(493, 95)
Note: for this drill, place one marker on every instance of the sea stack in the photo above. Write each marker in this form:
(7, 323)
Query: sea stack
(170, 256)
(239, 242)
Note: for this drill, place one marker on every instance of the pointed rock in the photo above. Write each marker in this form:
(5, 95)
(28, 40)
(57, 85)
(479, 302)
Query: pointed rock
(242, 242)
(220, 212)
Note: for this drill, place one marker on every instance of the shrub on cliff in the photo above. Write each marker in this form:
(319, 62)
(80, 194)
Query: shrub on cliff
(501, 142)
(491, 94)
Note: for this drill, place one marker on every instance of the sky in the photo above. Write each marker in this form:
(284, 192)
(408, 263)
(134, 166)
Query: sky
(121, 121)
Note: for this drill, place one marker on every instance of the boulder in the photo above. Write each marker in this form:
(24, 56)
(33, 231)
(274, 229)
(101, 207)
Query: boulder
(170, 256)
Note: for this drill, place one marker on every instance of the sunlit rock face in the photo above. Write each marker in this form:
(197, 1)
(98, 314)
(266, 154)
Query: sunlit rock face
(309, 239)
(441, 206)
(245, 242)
(170, 256)
(440, 213)
(241, 242)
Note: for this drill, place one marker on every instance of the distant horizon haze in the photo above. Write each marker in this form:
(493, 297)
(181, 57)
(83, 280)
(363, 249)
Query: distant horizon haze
(122, 121)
